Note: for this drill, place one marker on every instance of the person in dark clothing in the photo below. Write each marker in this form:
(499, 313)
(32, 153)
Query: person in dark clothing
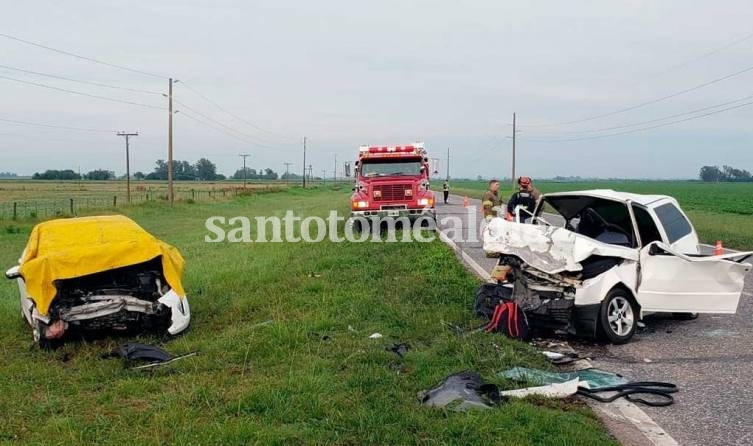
(527, 196)
(446, 191)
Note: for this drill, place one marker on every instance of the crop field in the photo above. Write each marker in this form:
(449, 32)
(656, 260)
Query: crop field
(284, 355)
(719, 211)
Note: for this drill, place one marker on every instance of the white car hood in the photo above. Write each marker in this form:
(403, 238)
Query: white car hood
(547, 248)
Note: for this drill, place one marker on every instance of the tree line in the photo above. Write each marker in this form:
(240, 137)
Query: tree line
(725, 174)
(201, 170)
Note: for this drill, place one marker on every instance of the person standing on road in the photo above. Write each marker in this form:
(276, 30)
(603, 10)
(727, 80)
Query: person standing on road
(446, 191)
(526, 197)
(491, 199)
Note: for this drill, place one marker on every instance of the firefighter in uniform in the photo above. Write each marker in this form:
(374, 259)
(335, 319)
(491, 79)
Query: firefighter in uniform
(446, 191)
(526, 197)
(491, 199)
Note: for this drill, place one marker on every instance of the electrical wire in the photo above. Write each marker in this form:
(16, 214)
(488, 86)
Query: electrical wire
(222, 130)
(53, 126)
(643, 104)
(250, 138)
(97, 84)
(90, 59)
(249, 123)
(65, 90)
(645, 128)
(664, 118)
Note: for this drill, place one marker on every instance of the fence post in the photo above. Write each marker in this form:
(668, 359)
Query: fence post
(114, 201)
(15, 214)
(71, 206)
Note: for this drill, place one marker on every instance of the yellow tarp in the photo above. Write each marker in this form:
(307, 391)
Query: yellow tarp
(73, 247)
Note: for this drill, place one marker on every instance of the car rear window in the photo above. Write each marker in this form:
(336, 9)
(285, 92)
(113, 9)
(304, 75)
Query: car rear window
(675, 224)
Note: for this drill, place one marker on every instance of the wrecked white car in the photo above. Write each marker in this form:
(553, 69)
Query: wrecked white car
(596, 261)
(96, 274)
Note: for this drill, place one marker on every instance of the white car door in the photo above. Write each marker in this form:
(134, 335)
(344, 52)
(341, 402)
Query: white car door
(674, 282)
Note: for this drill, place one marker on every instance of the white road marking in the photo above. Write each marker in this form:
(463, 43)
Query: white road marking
(619, 409)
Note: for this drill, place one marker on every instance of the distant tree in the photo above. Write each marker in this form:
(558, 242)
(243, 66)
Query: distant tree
(725, 174)
(7, 175)
(290, 176)
(100, 175)
(52, 174)
(250, 174)
(205, 170)
(182, 171)
(160, 171)
(139, 176)
(270, 174)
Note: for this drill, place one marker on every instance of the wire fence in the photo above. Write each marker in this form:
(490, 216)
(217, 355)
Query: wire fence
(45, 208)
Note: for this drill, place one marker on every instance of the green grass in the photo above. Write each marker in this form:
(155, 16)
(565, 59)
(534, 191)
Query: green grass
(311, 376)
(718, 211)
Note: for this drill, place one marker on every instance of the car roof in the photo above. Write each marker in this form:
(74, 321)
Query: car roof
(610, 194)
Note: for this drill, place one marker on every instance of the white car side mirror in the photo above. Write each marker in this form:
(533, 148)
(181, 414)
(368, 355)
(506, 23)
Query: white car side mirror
(13, 273)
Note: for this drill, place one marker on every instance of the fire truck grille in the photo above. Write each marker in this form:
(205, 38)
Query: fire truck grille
(392, 192)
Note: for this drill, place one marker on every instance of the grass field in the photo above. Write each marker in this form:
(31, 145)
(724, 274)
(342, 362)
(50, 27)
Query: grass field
(719, 211)
(310, 376)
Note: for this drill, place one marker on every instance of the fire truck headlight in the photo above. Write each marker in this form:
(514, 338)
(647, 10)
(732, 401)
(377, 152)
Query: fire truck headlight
(361, 204)
(425, 202)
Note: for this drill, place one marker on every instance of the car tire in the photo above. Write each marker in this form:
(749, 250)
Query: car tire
(618, 317)
(685, 316)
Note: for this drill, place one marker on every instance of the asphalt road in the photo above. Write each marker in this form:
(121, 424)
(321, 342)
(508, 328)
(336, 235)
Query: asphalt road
(710, 359)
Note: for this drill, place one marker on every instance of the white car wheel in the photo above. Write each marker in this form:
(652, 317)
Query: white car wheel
(618, 317)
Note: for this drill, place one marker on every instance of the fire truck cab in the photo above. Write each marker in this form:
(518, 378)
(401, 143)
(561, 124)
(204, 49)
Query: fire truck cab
(392, 181)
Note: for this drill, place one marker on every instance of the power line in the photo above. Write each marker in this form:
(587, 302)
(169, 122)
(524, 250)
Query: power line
(90, 59)
(250, 138)
(664, 118)
(251, 124)
(97, 84)
(691, 60)
(626, 132)
(104, 98)
(40, 124)
(652, 101)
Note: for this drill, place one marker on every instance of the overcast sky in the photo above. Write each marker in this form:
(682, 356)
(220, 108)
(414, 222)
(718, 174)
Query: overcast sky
(346, 73)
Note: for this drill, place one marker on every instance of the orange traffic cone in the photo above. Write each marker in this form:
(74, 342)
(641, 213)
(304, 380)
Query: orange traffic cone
(718, 248)
(465, 202)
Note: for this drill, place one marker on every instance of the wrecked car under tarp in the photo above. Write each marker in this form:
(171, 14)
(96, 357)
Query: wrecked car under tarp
(99, 273)
(605, 258)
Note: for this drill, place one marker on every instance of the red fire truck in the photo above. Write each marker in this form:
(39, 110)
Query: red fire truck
(392, 181)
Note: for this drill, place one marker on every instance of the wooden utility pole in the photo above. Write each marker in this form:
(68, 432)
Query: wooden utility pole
(447, 177)
(244, 156)
(514, 132)
(304, 162)
(128, 165)
(287, 172)
(334, 172)
(170, 190)
(324, 177)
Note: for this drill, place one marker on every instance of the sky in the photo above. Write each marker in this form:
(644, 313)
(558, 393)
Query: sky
(346, 73)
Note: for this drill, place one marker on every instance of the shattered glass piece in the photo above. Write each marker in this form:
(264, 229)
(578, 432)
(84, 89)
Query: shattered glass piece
(590, 378)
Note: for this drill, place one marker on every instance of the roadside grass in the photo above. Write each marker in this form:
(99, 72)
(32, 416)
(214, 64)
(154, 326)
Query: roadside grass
(718, 211)
(283, 355)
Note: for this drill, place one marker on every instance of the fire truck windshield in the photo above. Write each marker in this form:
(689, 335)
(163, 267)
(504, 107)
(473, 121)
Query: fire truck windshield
(383, 168)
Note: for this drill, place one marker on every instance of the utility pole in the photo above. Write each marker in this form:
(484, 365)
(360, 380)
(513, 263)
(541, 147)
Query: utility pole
(304, 162)
(334, 172)
(324, 177)
(170, 190)
(128, 165)
(244, 156)
(311, 172)
(514, 132)
(287, 172)
(447, 178)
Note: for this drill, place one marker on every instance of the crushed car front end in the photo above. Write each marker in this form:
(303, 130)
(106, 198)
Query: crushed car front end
(99, 274)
